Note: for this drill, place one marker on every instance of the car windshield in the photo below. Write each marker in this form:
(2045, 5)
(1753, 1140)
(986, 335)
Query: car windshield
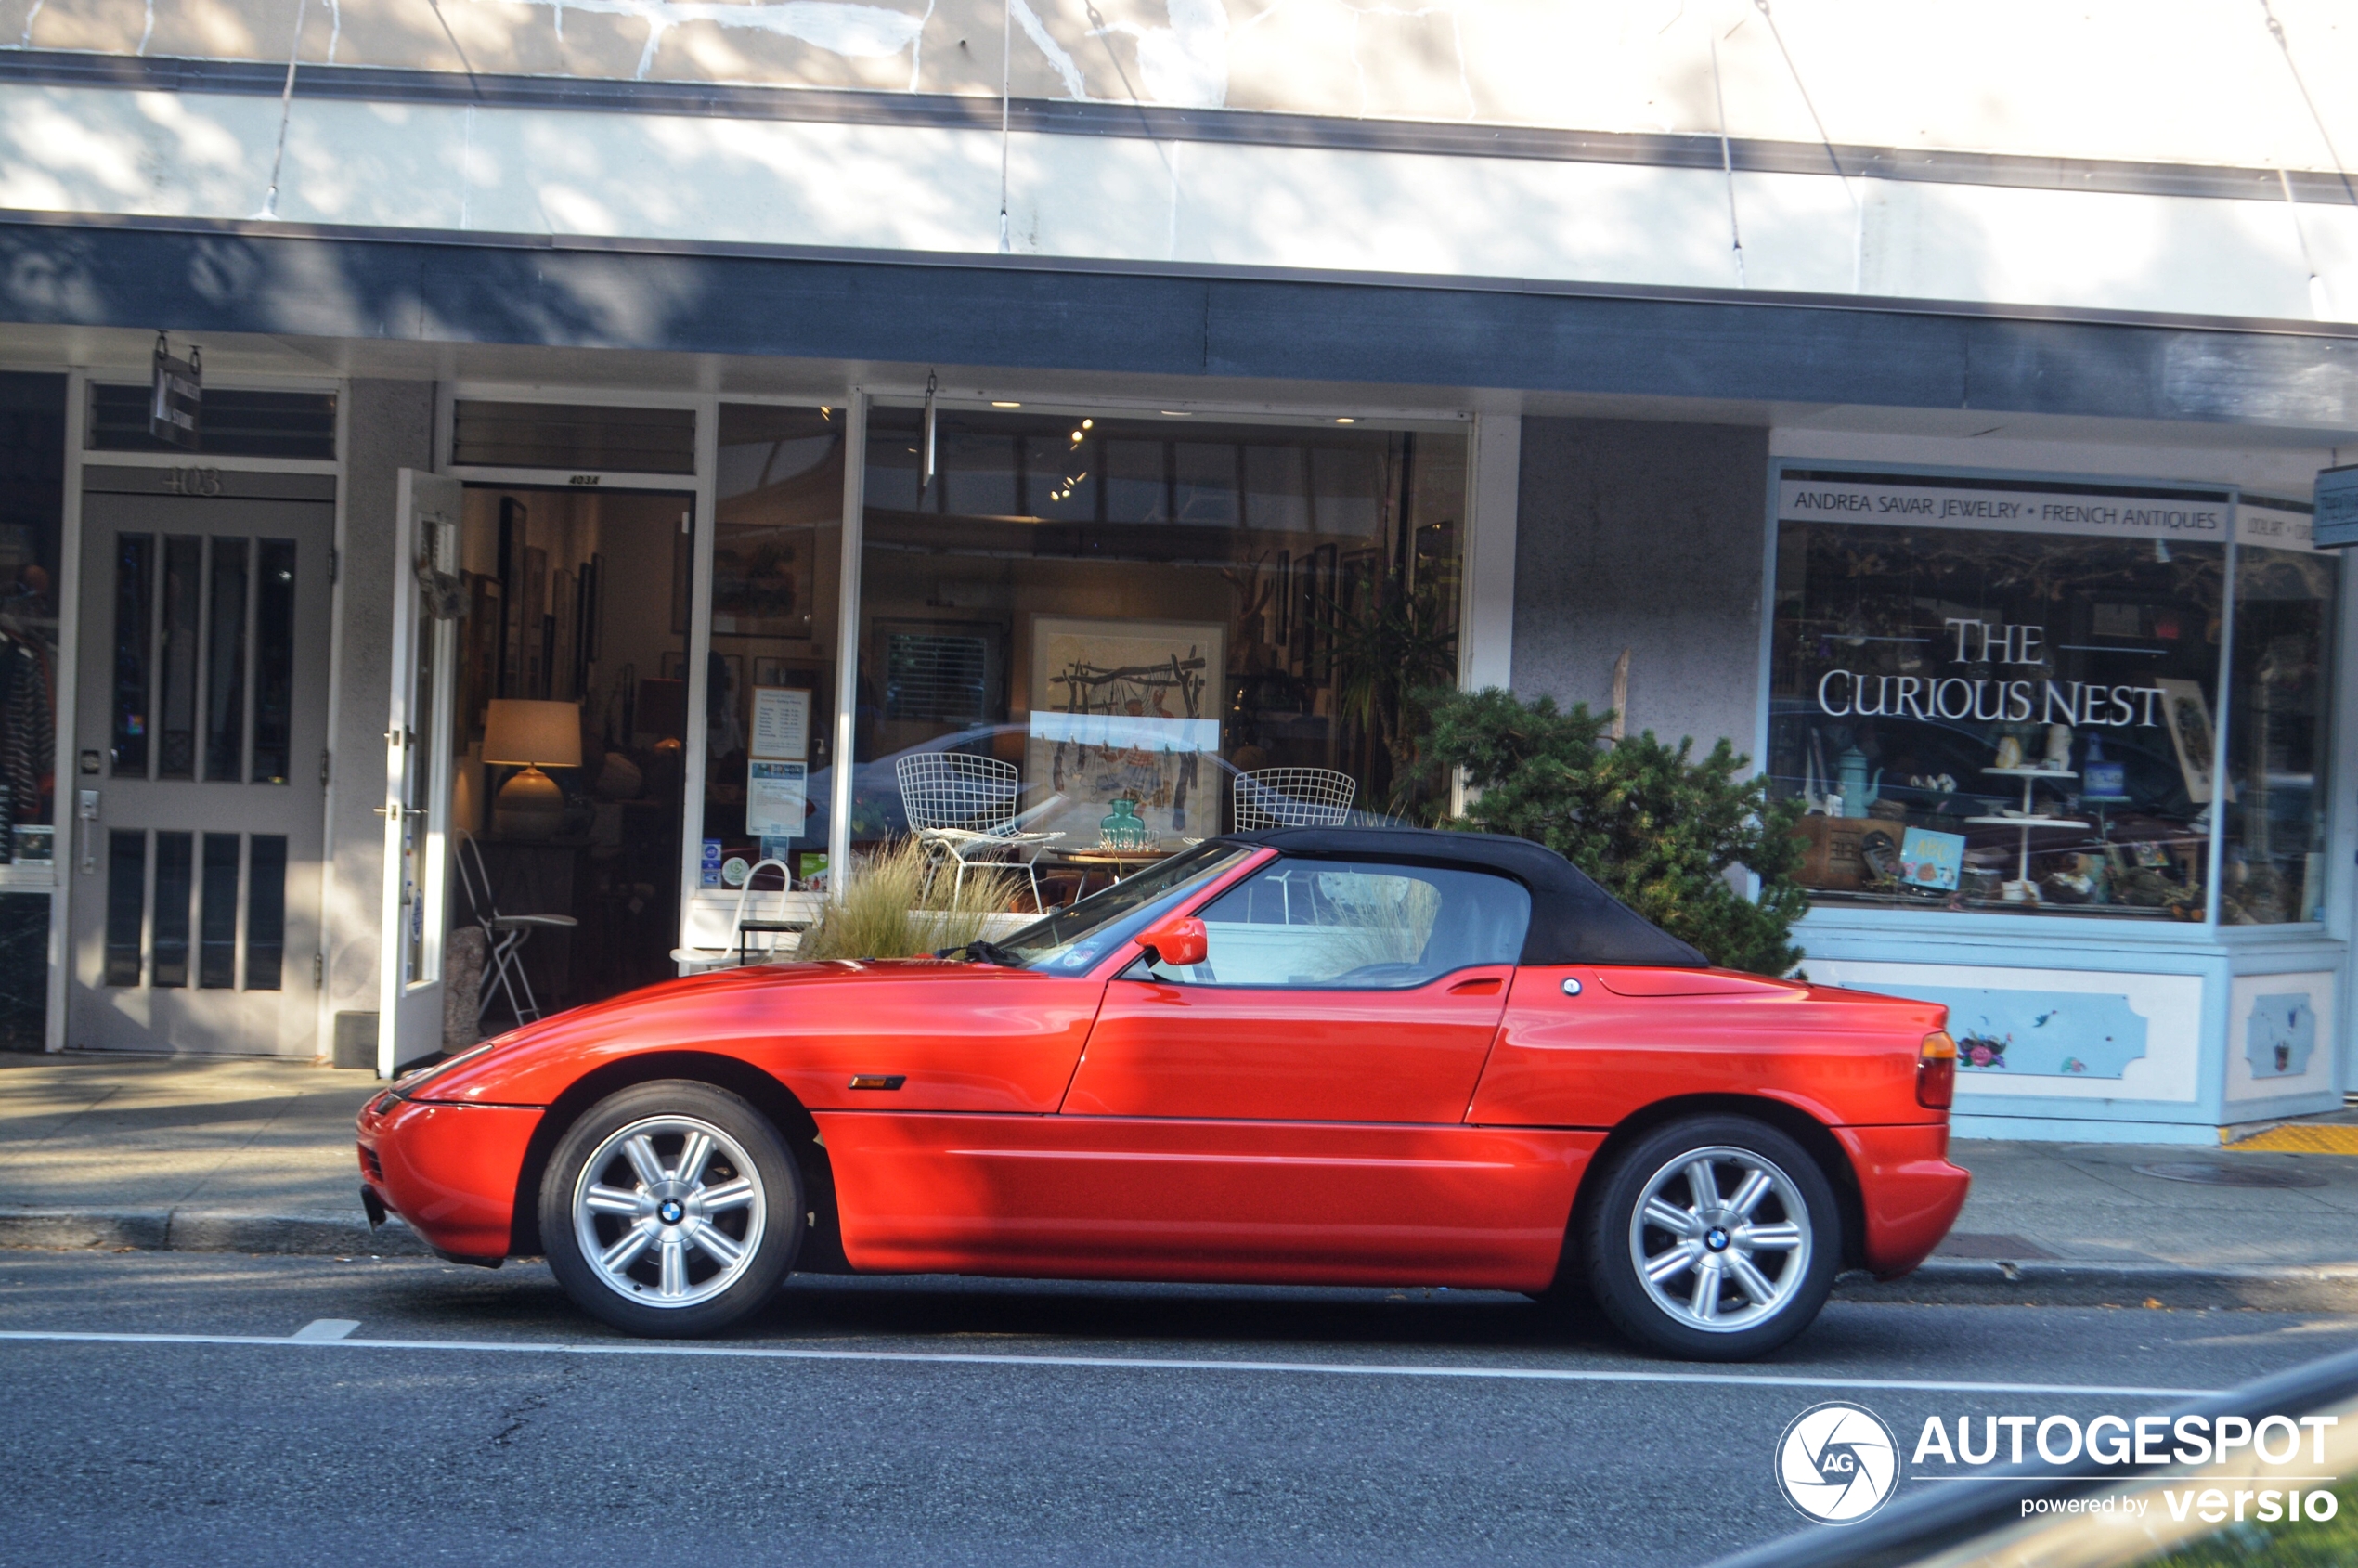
(1072, 939)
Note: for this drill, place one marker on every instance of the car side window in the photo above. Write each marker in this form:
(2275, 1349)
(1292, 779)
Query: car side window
(1357, 926)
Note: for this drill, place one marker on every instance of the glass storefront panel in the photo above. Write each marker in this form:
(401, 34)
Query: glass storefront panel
(771, 681)
(33, 449)
(2010, 712)
(2280, 691)
(576, 622)
(1131, 624)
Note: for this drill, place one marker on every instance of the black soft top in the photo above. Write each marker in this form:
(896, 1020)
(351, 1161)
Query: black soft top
(1573, 920)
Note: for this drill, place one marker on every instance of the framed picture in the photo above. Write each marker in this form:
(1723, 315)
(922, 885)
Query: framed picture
(761, 581)
(2187, 712)
(1125, 710)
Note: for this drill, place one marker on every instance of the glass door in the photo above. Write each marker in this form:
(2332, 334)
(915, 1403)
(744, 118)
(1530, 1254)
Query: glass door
(417, 808)
(199, 819)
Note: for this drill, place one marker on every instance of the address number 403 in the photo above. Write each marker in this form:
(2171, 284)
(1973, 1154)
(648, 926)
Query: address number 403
(192, 480)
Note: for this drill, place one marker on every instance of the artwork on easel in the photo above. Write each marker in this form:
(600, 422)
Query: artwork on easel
(1124, 710)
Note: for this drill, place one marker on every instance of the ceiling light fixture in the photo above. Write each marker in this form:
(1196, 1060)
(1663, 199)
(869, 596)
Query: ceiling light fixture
(1346, 420)
(996, 403)
(1177, 414)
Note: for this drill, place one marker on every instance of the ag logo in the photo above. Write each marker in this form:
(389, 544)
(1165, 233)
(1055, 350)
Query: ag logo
(1837, 1463)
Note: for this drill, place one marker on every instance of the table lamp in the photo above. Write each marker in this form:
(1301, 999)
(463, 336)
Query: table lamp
(518, 732)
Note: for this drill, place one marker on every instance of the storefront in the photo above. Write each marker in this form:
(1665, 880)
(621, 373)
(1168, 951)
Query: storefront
(2068, 750)
(2073, 747)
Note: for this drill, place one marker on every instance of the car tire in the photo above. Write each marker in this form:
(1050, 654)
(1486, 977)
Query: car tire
(1759, 1251)
(670, 1210)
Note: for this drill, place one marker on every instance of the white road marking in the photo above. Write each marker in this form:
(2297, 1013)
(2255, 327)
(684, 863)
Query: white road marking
(326, 1330)
(1122, 1362)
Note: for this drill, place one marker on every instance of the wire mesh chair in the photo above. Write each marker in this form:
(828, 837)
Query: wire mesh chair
(1292, 797)
(963, 808)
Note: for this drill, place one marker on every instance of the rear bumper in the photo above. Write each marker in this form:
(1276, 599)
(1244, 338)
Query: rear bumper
(1908, 1190)
(450, 1171)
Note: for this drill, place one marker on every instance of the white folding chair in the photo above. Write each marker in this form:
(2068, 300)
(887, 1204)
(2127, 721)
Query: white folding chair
(503, 935)
(963, 808)
(1292, 797)
(735, 950)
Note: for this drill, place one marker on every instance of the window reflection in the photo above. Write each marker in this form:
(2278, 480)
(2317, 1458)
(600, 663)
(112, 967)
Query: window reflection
(1130, 617)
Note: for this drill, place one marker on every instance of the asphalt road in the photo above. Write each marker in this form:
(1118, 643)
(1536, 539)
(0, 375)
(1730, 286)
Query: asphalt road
(474, 1416)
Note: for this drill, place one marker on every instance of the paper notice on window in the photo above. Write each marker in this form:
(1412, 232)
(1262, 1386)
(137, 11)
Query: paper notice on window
(777, 795)
(781, 722)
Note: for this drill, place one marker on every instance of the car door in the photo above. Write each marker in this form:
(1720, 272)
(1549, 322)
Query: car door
(1293, 1107)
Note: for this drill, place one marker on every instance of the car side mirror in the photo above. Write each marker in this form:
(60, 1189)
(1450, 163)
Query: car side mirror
(1178, 944)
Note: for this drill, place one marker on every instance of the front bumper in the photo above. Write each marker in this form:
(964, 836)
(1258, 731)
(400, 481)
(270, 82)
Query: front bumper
(449, 1170)
(1910, 1192)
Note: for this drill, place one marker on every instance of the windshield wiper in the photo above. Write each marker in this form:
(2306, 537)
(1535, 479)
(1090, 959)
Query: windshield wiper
(989, 953)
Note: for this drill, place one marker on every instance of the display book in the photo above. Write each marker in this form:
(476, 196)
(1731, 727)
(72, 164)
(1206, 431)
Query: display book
(1863, 846)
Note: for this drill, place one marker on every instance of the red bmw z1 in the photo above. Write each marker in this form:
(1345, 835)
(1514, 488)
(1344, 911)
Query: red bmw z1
(1307, 1057)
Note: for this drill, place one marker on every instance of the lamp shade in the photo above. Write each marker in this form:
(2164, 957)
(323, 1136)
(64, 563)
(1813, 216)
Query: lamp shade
(538, 734)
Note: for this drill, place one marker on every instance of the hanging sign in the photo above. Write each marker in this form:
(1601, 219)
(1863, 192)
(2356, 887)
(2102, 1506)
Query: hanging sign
(177, 395)
(2334, 526)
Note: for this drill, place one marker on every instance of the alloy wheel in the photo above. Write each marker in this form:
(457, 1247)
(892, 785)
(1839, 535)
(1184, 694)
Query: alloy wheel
(668, 1212)
(1720, 1238)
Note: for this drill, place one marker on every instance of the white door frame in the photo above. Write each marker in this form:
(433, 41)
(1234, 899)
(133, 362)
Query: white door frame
(62, 883)
(409, 1008)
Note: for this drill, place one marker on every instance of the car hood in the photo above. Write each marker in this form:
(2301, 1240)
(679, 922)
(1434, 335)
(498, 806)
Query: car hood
(532, 1064)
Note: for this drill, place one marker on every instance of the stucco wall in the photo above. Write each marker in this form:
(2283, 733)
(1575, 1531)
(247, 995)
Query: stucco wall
(392, 427)
(1646, 537)
(2177, 79)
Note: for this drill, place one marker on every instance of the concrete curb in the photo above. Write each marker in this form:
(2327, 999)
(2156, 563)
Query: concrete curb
(204, 1230)
(1941, 1282)
(1973, 1282)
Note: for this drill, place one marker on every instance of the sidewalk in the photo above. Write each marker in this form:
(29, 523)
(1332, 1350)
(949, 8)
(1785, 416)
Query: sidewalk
(235, 1155)
(258, 1156)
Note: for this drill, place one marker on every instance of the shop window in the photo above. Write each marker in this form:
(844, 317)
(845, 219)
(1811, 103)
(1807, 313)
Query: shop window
(1131, 613)
(777, 554)
(233, 422)
(25, 971)
(2006, 697)
(33, 441)
(2271, 862)
(574, 435)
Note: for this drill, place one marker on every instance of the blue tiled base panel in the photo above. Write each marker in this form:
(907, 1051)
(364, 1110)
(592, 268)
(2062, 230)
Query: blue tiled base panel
(2076, 1130)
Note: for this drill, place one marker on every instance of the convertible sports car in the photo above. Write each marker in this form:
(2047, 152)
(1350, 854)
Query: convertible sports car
(1309, 1055)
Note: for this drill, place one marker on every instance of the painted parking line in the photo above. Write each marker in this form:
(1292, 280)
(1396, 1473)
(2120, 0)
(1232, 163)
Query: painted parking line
(1112, 1363)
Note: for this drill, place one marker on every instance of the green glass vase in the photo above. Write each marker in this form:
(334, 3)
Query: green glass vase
(1124, 829)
